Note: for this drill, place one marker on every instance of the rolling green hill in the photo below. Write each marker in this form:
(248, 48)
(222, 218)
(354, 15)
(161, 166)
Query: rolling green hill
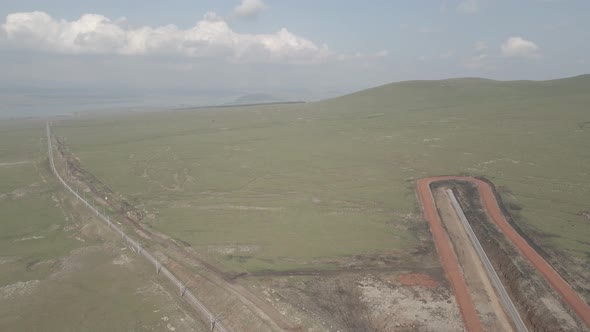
(287, 186)
(440, 94)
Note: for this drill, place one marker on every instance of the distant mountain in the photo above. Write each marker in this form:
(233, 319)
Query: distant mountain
(257, 98)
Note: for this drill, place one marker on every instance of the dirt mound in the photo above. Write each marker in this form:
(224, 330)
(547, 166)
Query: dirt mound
(417, 279)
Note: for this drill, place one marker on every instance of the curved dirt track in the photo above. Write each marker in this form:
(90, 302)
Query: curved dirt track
(451, 266)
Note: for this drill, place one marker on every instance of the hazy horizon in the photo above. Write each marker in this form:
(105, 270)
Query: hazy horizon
(21, 101)
(69, 56)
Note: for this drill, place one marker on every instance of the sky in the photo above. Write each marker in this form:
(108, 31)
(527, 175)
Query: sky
(293, 49)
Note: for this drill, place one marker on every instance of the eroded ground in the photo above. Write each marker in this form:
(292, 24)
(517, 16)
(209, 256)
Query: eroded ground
(364, 301)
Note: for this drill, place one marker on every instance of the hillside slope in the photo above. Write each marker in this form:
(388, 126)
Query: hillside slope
(420, 95)
(282, 178)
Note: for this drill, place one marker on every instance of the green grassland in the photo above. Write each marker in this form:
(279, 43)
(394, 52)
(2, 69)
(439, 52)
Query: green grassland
(285, 186)
(31, 223)
(56, 274)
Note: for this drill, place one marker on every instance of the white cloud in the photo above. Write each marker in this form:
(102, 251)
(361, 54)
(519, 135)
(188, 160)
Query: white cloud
(481, 46)
(210, 37)
(519, 47)
(249, 8)
(212, 16)
(469, 6)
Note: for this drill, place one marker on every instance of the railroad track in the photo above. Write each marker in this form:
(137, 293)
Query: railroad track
(184, 292)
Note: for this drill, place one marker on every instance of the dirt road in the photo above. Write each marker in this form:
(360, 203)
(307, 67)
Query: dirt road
(449, 260)
(500, 295)
(448, 257)
(480, 286)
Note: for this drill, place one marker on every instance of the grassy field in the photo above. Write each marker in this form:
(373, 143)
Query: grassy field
(31, 221)
(59, 271)
(286, 186)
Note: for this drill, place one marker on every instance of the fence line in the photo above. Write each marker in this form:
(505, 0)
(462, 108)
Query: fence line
(138, 248)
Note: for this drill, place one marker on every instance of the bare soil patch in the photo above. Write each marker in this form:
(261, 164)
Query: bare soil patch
(417, 279)
(367, 301)
(21, 288)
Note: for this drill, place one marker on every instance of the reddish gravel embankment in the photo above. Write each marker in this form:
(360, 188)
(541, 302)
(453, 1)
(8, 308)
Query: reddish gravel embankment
(451, 266)
(448, 257)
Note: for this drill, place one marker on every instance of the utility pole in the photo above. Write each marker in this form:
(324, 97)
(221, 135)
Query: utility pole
(214, 320)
